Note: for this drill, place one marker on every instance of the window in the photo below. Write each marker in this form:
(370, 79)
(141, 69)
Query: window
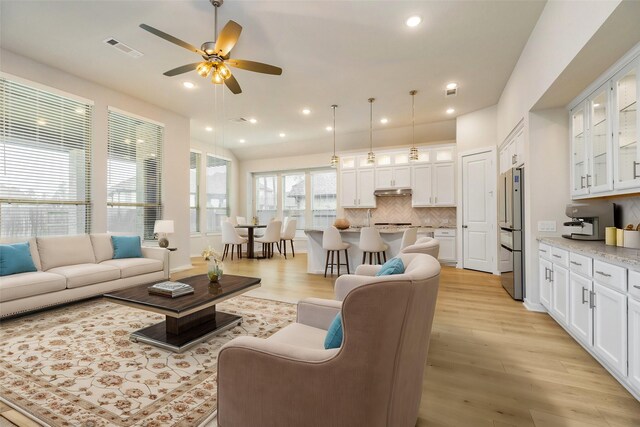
(194, 191)
(294, 198)
(134, 174)
(45, 162)
(217, 192)
(323, 198)
(266, 197)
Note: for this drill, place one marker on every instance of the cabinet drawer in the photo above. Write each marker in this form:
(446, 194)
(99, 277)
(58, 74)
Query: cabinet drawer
(544, 251)
(610, 275)
(581, 264)
(634, 284)
(560, 256)
(445, 232)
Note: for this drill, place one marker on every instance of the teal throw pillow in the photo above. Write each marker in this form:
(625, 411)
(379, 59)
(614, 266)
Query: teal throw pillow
(126, 247)
(16, 258)
(393, 266)
(334, 334)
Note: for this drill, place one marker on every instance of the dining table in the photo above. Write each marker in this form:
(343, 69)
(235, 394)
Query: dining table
(250, 235)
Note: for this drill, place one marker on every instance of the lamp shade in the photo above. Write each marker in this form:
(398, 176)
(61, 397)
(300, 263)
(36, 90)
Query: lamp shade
(163, 226)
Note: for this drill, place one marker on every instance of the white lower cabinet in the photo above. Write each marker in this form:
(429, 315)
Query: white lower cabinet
(610, 327)
(634, 344)
(560, 294)
(545, 283)
(580, 315)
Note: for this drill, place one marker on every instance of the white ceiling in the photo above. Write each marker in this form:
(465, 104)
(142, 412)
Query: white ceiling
(340, 52)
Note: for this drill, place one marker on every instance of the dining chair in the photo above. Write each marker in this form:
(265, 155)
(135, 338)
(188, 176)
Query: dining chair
(270, 238)
(288, 235)
(231, 237)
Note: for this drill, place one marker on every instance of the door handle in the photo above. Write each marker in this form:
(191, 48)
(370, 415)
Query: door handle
(582, 182)
(465, 226)
(635, 169)
(556, 256)
(584, 300)
(575, 263)
(547, 276)
(592, 299)
(588, 177)
(602, 273)
(636, 286)
(551, 276)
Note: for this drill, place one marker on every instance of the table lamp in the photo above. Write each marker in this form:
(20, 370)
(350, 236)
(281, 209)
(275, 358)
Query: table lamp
(163, 227)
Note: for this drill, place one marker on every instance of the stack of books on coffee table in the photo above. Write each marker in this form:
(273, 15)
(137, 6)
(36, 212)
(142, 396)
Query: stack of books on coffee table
(170, 289)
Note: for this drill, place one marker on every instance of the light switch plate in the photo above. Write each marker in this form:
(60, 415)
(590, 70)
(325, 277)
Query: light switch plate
(546, 226)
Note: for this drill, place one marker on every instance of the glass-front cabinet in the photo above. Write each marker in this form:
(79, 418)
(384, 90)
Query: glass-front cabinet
(599, 177)
(579, 163)
(626, 130)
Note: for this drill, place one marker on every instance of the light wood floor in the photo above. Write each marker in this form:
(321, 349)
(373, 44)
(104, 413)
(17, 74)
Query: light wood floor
(491, 362)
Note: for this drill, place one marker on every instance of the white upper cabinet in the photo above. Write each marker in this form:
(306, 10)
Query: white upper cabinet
(393, 177)
(357, 187)
(444, 184)
(579, 164)
(366, 187)
(599, 177)
(625, 126)
(422, 186)
(349, 189)
(512, 151)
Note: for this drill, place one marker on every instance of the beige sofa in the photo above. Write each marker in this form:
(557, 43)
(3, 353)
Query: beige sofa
(71, 268)
(373, 379)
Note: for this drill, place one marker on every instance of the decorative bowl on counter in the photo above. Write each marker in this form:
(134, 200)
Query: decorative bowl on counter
(341, 224)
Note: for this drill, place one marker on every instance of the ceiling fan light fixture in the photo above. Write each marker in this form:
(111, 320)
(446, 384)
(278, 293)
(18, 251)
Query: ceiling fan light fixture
(204, 69)
(224, 71)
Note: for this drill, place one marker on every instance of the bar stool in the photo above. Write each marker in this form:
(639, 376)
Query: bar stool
(409, 237)
(271, 237)
(288, 234)
(332, 243)
(231, 237)
(371, 243)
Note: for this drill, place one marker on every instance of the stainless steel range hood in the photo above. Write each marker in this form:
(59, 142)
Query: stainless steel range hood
(393, 193)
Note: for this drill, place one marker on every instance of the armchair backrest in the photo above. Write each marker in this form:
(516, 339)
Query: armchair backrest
(387, 325)
(425, 245)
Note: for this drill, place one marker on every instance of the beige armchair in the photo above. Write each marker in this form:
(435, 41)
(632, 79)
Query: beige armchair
(424, 245)
(373, 379)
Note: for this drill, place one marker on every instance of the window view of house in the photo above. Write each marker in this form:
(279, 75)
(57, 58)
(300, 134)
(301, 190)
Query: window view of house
(217, 176)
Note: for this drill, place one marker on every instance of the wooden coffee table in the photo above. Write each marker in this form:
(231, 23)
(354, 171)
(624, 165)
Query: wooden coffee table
(190, 319)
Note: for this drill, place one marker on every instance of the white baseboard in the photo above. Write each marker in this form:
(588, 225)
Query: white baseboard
(532, 306)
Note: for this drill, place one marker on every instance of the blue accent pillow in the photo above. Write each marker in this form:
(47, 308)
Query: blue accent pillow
(16, 258)
(334, 334)
(126, 247)
(393, 266)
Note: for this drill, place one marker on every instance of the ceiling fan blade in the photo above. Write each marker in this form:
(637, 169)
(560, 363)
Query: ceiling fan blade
(181, 70)
(233, 85)
(228, 38)
(174, 40)
(257, 67)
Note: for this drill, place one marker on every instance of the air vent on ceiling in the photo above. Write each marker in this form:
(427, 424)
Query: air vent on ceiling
(240, 120)
(127, 50)
(451, 92)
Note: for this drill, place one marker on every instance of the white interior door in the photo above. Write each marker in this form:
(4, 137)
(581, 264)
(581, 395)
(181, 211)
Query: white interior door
(478, 211)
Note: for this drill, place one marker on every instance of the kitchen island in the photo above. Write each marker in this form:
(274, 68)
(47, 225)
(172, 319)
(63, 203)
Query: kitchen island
(316, 255)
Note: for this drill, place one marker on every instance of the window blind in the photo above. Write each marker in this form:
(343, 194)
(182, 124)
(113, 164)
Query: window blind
(266, 197)
(194, 191)
(217, 192)
(134, 174)
(45, 162)
(323, 198)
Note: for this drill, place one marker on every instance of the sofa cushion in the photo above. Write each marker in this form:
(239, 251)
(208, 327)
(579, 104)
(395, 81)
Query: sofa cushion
(65, 250)
(16, 258)
(393, 266)
(102, 246)
(24, 285)
(126, 247)
(301, 336)
(334, 333)
(135, 266)
(87, 274)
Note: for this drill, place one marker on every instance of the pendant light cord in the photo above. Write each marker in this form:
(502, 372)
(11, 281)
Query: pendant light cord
(413, 118)
(371, 124)
(334, 128)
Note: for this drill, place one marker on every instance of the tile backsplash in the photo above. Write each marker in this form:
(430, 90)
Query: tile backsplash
(630, 210)
(399, 209)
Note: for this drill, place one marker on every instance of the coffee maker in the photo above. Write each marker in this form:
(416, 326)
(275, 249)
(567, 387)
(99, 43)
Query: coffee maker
(588, 220)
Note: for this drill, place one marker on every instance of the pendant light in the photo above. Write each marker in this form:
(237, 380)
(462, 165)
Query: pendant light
(334, 158)
(413, 153)
(371, 157)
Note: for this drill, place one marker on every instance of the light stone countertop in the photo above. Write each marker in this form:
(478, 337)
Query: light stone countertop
(625, 257)
(382, 230)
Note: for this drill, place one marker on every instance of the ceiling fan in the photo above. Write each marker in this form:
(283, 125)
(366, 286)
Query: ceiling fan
(216, 55)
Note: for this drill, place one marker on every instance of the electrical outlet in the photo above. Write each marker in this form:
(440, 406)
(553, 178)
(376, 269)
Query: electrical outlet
(546, 226)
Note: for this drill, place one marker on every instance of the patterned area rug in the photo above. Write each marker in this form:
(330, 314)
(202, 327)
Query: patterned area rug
(75, 366)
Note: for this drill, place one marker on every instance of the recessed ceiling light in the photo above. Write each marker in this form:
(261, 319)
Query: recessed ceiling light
(242, 141)
(41, 122)
(329, 128)
(413, 21)
(253, 121)
(306, 111)
(188, 85)
(384, 120)
(450, 111)
(451, 86)
(208, 129)
(140, 140)
(282, 134)
(80, 111)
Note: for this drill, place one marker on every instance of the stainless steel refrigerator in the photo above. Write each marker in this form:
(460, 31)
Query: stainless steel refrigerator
(511, 223)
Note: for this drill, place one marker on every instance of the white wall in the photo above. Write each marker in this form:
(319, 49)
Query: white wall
(477, 130)
(176, 147)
